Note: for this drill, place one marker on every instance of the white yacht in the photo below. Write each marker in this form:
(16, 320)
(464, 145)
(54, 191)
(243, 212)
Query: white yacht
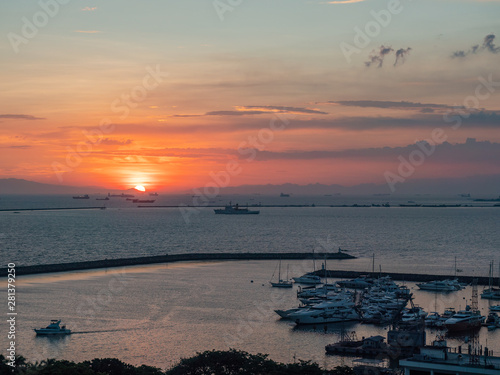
(440, 286)
(54, 328)
(491, 293)
(308, 279)
(495, 308)
(321, 316)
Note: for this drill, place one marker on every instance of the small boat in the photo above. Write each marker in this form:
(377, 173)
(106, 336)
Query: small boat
(495, 308)
(358, 283)
(86, 196)
(308, 279)
(102, 199)
(54, 328)
(153, 194)
(281, 283)
(234, 210)
(283, 195)
(143, 200)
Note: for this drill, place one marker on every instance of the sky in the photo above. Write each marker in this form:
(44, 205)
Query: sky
(180, 94)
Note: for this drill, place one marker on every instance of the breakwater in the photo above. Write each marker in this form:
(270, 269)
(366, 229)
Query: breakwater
(415, 277)
(169, 258)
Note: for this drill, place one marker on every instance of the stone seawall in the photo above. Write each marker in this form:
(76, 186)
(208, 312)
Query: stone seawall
(107, 263)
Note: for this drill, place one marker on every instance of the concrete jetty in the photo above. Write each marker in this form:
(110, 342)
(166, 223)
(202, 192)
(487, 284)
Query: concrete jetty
(169, 258)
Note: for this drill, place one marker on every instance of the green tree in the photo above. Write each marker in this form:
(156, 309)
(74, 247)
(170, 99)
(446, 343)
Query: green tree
(234, 362)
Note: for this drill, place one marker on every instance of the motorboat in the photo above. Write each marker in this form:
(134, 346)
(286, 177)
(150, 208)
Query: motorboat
(308, 279)
(491, 293)
(440, 286)
(358, 283)
(495, 308)
(322, 316)
(464, 320)
(54, 328)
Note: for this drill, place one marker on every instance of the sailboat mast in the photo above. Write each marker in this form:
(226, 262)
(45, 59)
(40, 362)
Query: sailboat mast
(279, 272)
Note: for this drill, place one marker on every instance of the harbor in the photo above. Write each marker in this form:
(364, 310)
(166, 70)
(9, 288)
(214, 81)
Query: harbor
(189, 302)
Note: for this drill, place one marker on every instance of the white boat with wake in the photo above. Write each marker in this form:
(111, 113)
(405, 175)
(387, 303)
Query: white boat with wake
(54, 328)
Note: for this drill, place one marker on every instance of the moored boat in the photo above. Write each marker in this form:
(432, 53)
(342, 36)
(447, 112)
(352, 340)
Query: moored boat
(464, 320)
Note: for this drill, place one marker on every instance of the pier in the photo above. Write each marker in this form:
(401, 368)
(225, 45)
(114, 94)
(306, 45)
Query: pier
(169, 258)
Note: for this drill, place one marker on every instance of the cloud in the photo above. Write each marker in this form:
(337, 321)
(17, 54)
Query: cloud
(297, 110)
(114, 142)
(88, 9)
(258, 110)
(401, 55)
(21, 146)
(424, 107)
(469, 151)
(87, 31)
(488, 46)
(377, 57)
(344, 2)
(22, 117)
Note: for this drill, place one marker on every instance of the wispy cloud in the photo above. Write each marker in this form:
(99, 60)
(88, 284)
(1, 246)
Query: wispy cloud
(488, 46)
(22, 117)
(344, 2)
(377, 57)
(87, 31)
(257, 110)
(115, 142)
(423, 107)
(89, 9)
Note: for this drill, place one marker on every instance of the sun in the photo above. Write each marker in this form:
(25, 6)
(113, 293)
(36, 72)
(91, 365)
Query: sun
(140, 188)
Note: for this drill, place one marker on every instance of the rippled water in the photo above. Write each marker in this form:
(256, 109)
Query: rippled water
(402, 238)
(159, 314)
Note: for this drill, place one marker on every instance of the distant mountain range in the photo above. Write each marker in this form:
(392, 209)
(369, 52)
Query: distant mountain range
(20, 186)
(478, 185)
(474, 185)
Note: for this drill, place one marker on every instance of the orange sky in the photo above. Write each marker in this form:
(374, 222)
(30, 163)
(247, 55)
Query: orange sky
(94, 101)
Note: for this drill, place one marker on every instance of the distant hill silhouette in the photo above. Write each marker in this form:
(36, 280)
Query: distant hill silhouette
(483, 185)
(20, 186)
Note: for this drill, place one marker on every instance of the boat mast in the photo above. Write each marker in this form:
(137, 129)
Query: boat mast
(373, 263)
(279, 272)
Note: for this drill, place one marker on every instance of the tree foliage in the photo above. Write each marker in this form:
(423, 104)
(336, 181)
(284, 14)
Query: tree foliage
(231, 362)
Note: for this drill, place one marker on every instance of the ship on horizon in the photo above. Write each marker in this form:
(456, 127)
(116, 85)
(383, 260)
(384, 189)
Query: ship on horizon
(234, 210)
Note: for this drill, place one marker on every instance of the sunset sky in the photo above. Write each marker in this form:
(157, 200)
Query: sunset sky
(117, 93)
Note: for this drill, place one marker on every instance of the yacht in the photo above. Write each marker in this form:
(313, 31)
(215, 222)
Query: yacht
(322, 316)
(464, 320)
(491, 293)
(358, 283)
(440, 286)
(234, 210)
(495, 308)
(308, 279)
(54, 328)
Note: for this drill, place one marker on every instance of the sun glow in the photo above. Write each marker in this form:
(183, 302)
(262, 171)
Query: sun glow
(140, 188)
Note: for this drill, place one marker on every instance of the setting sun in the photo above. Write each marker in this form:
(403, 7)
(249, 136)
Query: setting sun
(140, 188)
